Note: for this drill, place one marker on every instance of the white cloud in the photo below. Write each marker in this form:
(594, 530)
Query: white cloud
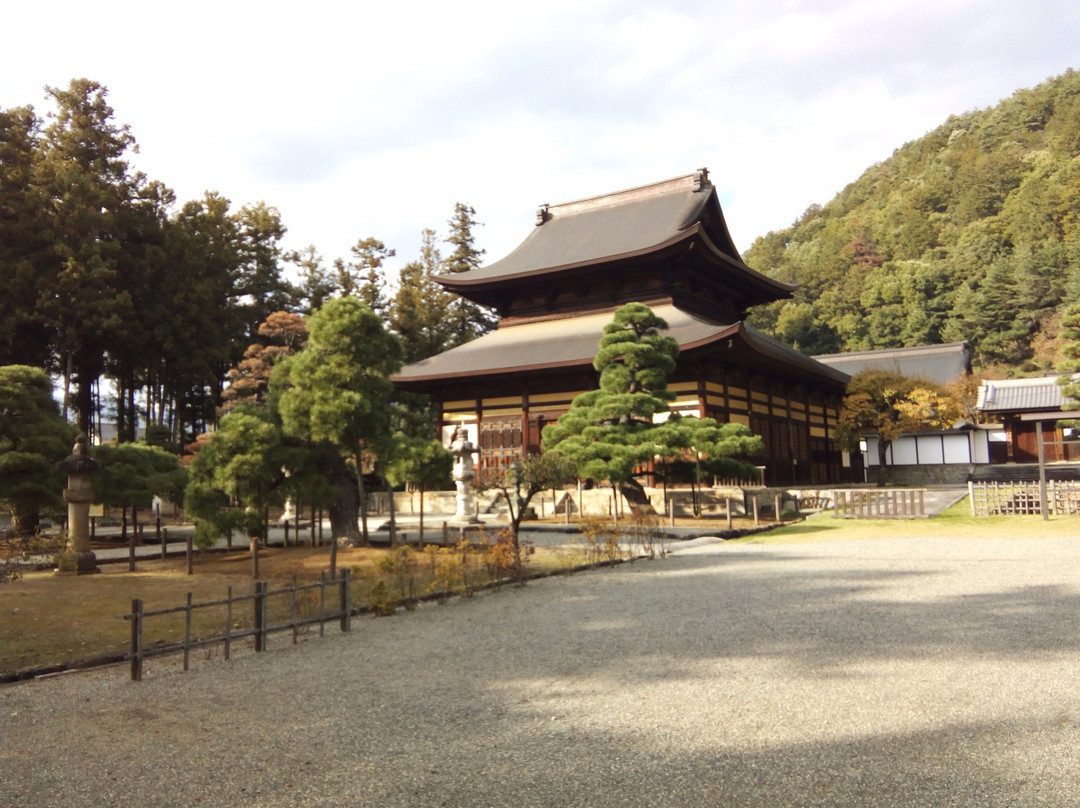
(373, 119)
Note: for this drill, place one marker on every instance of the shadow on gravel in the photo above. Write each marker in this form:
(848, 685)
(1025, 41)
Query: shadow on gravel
(748, 605)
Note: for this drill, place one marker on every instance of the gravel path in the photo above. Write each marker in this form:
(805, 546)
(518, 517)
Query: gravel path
(922, 672)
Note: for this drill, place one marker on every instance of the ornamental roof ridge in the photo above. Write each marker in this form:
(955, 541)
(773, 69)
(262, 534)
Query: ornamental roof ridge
(696, 181)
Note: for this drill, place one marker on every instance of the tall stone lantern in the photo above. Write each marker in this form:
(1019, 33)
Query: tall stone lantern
(78, 466)
(463, 473)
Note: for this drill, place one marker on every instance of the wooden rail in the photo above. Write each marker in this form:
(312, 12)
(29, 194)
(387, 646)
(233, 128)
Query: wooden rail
(886, 503)
(1022, 498)
(260, 630)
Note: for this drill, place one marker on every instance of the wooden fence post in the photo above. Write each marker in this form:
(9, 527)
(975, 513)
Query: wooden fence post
(729, 513)
(254, 557)
(756, 523)
(260, 616)
(164, 536)
(187, 632)
(189, 551)
(322, 601)
(136, 640)
(346, 607)
(228, 625)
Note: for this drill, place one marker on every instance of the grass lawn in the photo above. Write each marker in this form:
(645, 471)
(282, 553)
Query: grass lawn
(955, 522)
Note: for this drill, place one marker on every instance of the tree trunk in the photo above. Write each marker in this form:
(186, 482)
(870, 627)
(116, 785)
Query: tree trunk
(636, 496)
(26, 524)
(882, 453)
(362, 494)
(344, 508)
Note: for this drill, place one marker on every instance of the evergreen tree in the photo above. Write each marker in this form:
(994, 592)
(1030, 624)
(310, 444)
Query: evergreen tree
(337, 392)
(469, 320)
(33, 439)
(363, 277)
(260, 287)
(84, 171)
(420, 311)
(25, 241)
(316, 282)
(609, 432)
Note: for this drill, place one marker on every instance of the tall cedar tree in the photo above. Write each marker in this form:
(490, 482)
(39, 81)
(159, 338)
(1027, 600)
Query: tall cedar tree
(25, 241)
(420, 317)
(84, 171)
(363, 276)
(469, 320)
(316, 281)
(261, 288)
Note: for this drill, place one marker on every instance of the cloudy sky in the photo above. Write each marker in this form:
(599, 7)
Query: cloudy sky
(372, 119)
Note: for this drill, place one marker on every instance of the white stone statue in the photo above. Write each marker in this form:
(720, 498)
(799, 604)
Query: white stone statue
(463, 474)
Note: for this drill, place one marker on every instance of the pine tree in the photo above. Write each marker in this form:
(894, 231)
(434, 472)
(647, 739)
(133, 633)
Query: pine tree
(609, 432)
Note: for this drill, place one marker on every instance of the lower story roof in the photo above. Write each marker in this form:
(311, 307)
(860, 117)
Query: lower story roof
(573, 342)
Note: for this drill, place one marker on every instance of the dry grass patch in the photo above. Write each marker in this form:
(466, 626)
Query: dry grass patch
(47, 619)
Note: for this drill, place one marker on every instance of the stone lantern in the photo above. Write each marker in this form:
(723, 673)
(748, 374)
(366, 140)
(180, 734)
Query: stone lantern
(78, 558)
(463, 474)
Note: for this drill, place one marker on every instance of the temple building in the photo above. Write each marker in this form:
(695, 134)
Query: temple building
(666, 245)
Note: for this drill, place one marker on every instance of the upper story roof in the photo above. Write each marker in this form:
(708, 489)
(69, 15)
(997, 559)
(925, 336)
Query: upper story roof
(936, 363)
(677, 222)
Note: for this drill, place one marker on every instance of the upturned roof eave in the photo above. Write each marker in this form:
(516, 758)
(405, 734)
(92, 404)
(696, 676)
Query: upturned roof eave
(694, 234)
(459, 281)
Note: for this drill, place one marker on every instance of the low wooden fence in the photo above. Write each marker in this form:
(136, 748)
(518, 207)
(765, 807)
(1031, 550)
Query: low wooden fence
(890, 503)
(1022, 498)
(260, 630)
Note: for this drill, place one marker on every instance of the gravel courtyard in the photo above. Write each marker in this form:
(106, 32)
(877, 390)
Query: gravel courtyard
(918, 672)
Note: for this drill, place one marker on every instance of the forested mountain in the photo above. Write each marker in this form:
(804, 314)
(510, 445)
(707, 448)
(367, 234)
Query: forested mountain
(970, 233)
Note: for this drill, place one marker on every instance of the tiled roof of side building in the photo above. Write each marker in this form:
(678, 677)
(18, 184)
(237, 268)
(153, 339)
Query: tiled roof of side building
(1021, 395)
(936, 363)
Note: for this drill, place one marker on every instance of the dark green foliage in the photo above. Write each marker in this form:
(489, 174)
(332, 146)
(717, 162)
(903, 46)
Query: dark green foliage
(132, 474)
(423, 464)
(33, 439)
(241, 466)
(1070, 381)
(609, 432)
(336, 392)
(526, 478)
(970, 233)
(363, 277)
(469, 320)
